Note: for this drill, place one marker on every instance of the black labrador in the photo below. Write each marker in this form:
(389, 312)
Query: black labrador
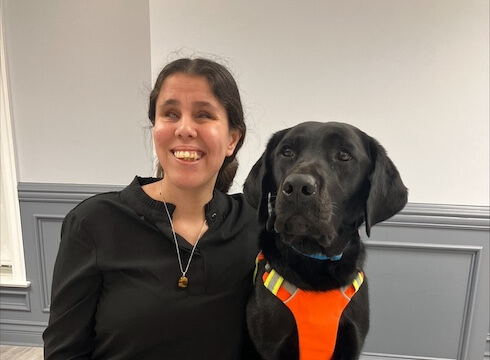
(314, 186)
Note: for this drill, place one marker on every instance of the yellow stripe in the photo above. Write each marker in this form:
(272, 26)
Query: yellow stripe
(269, 278)
(358, 281)
(277, 285)
(356, 284)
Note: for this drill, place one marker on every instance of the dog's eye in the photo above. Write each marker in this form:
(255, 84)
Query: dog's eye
(287, 151)
(343, 155)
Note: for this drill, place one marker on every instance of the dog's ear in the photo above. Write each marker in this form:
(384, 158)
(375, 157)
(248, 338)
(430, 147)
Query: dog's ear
(252, 188)
(387, 193)
(260, 180)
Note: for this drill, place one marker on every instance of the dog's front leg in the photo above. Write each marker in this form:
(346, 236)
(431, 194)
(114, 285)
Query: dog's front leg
(353, 327)
(271, 326)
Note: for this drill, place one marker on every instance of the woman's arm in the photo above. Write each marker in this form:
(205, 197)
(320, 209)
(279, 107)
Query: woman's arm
(74, 295)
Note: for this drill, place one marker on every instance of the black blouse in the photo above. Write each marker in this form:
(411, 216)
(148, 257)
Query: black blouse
(115, 293)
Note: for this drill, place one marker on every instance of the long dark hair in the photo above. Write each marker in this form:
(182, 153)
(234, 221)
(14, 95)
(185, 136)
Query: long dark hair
(226, 91)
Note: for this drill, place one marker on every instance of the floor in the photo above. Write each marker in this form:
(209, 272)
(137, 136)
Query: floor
(20, 353)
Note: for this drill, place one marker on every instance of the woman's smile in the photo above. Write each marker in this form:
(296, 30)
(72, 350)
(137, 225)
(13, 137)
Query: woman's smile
(188, 155)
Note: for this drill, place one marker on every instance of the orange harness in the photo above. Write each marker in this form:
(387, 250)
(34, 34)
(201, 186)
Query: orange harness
(317, 314)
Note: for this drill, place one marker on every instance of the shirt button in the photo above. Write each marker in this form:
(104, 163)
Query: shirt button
(213, 216)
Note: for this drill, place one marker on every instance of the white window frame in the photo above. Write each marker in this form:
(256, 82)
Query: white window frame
(9, 197)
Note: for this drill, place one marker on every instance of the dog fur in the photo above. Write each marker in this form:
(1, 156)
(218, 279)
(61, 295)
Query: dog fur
(313, 187)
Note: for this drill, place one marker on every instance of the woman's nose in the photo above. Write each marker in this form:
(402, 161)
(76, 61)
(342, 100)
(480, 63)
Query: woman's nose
(186, 128)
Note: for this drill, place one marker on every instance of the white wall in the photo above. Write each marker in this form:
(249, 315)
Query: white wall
(412, 73)
(79, 77)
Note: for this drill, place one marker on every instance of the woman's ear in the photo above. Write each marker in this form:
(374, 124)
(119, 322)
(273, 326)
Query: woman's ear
(235, 136)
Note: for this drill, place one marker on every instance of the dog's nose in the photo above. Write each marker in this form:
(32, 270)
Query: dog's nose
(299, 184)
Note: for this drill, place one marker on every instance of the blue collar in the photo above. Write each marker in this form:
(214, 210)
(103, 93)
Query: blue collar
(320, 256)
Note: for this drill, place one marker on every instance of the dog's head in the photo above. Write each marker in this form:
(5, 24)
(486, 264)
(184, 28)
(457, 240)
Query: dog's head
(319, 180)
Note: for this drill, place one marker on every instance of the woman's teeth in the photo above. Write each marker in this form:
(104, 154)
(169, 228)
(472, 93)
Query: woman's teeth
(187, 155)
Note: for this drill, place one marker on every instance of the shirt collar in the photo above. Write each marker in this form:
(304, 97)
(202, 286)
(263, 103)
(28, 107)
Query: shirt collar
(215, 211)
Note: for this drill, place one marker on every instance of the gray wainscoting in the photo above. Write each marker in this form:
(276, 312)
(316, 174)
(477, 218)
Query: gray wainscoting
(428, 270)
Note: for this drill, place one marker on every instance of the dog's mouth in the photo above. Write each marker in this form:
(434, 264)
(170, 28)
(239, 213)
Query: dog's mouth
(299, 225)
(311, 248)
(321, 248)
(306, 246)
(295, 225)
(307, 237)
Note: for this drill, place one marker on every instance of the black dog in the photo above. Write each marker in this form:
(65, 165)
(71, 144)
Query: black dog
(314, 186)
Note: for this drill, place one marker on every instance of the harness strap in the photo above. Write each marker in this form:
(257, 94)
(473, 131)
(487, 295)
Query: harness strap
(275, 283)
(260, 257)
(284, 289)
(350, 290)
(317, 313)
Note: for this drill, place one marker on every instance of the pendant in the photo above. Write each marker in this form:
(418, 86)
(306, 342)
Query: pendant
(183, 282)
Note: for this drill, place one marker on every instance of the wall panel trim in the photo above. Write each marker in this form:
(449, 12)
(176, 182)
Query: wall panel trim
(39, 220)
(71, 193)
(473, 251)
(15, 299)
(380, 356)
(463, 217)
(21, 332)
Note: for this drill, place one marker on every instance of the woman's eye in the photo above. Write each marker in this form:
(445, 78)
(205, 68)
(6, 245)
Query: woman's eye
(343, 155)
(287, 151)
(204, 115)
(172, 115)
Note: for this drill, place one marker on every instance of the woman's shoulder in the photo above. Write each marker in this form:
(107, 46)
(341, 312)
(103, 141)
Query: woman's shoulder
(241, 201)
(96, 205)
(106, 202)
(235, 208)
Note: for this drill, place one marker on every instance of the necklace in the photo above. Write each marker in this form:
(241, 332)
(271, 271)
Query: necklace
(183, 280)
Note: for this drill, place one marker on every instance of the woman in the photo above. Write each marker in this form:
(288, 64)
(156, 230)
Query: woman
(163, 269)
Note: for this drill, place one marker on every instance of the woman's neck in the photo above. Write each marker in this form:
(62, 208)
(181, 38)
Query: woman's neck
(188, 203)
(188, 218)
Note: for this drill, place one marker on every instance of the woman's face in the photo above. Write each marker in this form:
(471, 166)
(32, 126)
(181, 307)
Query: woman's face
(191, 132)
